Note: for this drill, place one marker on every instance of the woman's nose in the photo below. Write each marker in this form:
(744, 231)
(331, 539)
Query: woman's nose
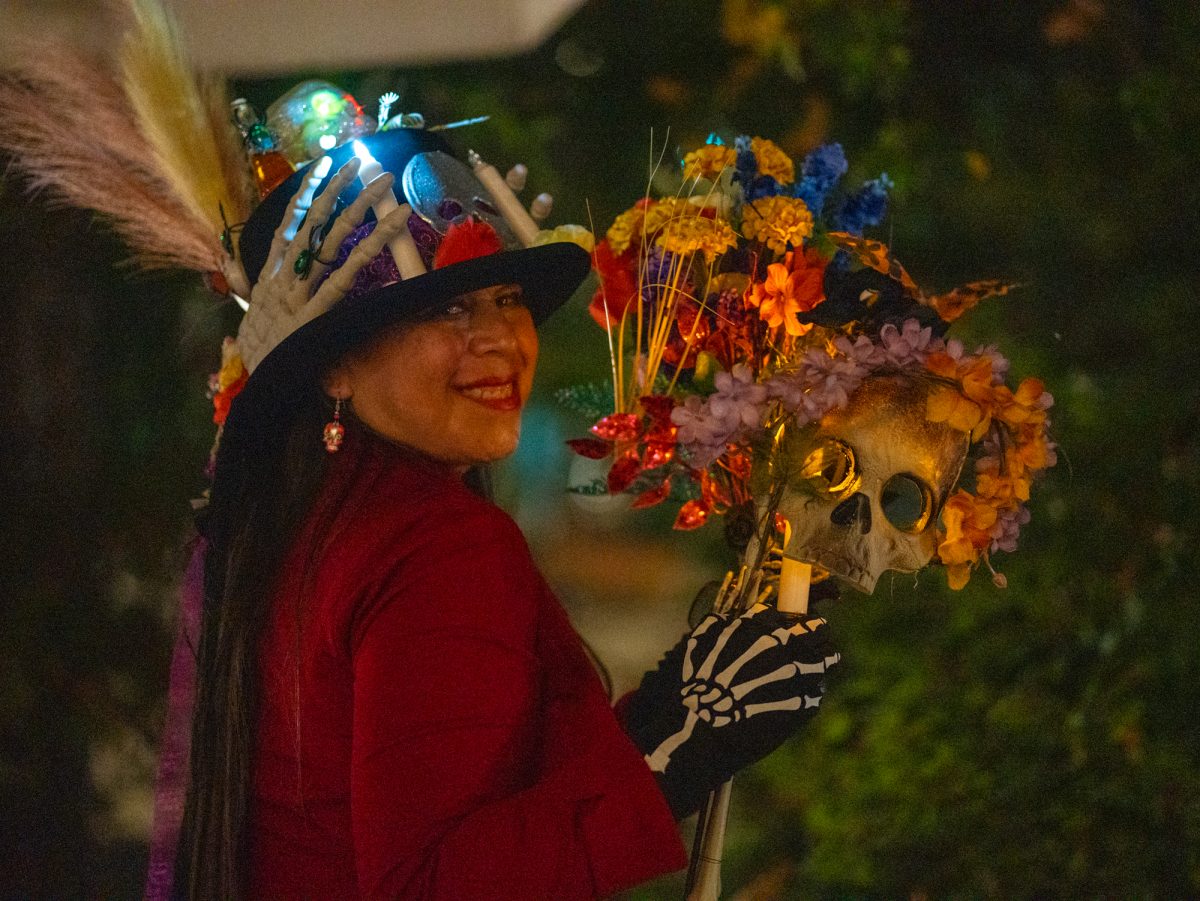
(491, 329)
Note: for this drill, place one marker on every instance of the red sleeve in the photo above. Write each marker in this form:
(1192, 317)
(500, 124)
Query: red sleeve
(455, 793)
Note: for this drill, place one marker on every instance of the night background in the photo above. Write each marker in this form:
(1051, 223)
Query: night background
(1040, 741)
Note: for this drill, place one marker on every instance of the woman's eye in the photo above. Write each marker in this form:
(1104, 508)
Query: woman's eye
(510, 300)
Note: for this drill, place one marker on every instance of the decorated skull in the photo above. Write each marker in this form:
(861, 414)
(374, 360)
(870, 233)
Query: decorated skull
(862, 494)
(443, 191)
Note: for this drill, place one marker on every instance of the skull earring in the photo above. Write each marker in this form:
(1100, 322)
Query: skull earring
(335, 432)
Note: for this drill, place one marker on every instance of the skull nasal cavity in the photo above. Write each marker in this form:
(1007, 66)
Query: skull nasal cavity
(854, 510)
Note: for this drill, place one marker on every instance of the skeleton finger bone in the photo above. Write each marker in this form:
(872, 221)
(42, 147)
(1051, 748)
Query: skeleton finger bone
(784, 672)
(727, 675)
(776, 706)
(689, 667)
(340, 282)
(317, 214)
(350, 218)
(710, 662)
(294, 214)
(661, 756)
(807, 626)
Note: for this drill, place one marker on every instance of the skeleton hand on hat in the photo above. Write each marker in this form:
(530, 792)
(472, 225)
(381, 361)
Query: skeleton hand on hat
(727, 695)
(283, 299)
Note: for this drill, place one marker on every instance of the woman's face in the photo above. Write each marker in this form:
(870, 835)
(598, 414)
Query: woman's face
(451, 386)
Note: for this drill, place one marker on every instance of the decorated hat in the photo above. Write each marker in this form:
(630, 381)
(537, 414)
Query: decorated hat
(466, 231)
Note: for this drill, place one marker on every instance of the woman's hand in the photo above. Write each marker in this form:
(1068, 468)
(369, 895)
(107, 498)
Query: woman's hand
(283, 298)
(727, 695)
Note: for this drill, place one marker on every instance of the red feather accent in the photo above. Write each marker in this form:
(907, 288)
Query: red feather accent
(466, 240)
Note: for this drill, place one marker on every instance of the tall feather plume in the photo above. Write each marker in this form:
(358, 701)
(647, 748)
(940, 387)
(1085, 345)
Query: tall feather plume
(73, 130)
(173, 115)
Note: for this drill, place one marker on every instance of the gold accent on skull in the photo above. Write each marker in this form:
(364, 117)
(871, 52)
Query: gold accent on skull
(863, 492)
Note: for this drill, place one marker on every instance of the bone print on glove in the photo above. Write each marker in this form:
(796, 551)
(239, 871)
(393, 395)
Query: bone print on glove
(727, 695)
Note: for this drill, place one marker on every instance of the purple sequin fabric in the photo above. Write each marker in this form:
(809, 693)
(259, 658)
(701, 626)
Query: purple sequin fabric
(382, 271)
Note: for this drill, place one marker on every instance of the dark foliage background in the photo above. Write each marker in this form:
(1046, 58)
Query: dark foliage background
(1035, 742)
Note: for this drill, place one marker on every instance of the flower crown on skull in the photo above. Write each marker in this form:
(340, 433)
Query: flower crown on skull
(750, 301)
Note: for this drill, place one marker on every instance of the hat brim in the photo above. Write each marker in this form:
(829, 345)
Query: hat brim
(548, 275)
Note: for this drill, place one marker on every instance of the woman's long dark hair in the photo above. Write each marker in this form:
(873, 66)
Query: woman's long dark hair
(262, 492)
(264, 489)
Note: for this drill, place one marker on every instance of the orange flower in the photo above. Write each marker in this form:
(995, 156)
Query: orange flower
(947, 404)
(1023, 405)
(967, 521)
(794, 286)
(1003, 489)
(969, 407)
(775, 297)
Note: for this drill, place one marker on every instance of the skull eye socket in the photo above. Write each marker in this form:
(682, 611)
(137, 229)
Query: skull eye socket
(907, 502)
(484, 206)
(831, 467)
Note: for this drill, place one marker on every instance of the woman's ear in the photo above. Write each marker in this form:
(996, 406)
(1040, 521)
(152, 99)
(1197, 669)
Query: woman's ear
(338, 383)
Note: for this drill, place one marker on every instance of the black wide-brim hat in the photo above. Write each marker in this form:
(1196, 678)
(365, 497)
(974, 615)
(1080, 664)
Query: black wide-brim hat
(548, 275)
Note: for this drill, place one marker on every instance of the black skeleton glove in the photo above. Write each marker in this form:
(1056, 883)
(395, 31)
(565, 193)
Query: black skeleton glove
(727, 695)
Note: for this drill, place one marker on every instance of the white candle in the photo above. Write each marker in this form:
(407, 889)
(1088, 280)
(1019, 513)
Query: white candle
(794, 581)
(403, 248)
(506, 201)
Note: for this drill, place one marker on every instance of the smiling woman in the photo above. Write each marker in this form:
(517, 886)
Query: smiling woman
(451, 385)
(390, 701)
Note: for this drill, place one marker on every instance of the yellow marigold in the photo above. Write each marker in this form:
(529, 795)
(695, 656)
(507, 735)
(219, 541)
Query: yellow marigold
(232, 367)
(566, 234)
(668, 209)
(772, 161)
(626, 229)
(708, 161)
(697, 233)
(779, 222)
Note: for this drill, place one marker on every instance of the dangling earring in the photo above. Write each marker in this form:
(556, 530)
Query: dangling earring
(335, 432)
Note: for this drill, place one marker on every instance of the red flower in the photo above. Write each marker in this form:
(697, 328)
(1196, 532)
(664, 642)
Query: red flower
(624, 471)
(618, 427)
(692, 515)
(618, 284)
(690, 323)
(466, 240)
(223, 399)
(592, 448)
(654, 496)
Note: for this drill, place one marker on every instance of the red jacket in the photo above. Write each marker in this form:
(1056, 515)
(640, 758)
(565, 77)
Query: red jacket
(429, 724)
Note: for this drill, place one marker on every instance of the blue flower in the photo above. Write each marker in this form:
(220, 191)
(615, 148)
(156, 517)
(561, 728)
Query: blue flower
(763, 186)
(822, 170)
(865, 208)
(745, 168)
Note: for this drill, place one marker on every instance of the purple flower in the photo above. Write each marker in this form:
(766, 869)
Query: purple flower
(1007, 528)
(658, 269)
(822, 170)
(865, 208)
(738, 401)
(821, 382)
(706, 425)
(908, 344)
